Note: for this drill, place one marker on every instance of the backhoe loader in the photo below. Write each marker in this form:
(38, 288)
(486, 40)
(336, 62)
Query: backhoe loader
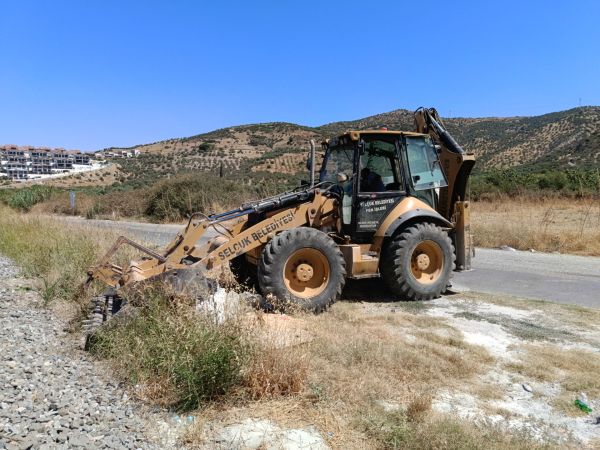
(387, 204)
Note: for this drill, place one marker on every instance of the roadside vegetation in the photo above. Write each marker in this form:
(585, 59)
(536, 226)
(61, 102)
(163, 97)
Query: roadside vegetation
(547, 211)
(545, 224)
(57, 255)
(530, 182)
(365, 375)
(168, 199)
(348, 372)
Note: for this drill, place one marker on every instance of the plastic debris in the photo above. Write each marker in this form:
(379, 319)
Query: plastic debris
(582, 403)
(180, 421)
(527, 387)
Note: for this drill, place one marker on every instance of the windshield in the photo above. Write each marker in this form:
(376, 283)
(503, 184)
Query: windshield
(378, 168)
(424, 165)
(337, 161)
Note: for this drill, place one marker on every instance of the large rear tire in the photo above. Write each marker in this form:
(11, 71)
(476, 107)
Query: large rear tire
(303, 267)
(417, 263)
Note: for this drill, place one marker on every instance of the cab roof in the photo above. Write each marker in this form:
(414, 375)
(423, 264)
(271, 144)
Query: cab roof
(355, 135)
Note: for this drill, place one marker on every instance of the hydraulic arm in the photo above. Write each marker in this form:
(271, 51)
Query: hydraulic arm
(290, 210)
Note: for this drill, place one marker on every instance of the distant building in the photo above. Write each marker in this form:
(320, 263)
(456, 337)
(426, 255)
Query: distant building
(119, 153)
(22, 163)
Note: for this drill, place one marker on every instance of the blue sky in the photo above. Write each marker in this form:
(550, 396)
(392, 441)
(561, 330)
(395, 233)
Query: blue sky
(92, 74)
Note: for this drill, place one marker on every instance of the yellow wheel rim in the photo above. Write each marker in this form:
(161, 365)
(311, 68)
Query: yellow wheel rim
(306, 273)
(427, 262)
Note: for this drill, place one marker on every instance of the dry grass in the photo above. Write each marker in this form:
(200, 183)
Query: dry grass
(352, 362)
(576, 370)
(55, 254)
(397, 430)
(276, 372)
(280, 360)
(547, 225)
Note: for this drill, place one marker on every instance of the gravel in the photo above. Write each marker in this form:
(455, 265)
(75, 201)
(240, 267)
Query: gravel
(54, 395)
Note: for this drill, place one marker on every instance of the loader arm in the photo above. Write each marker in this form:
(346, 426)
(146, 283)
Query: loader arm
(321, 212)
(291, 210)
(457, 165)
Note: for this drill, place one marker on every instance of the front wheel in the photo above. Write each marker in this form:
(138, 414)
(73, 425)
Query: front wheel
(417, 263)
(244, 272)
(303, 267)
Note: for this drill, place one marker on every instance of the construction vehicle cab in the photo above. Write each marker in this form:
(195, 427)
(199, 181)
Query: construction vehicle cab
(387, 204)
(374, 170)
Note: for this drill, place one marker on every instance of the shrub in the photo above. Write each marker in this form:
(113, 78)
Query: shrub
(178, 198)
(195, 360)
(25, 198)
(523, 181)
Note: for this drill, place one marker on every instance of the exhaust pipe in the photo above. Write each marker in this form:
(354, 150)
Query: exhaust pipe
(312, 163)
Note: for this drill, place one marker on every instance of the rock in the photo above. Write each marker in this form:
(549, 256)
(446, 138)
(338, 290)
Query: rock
(52, 395)
(390, 406)
(264, 434)
(80, 440)
(307, 438)
(249, 434)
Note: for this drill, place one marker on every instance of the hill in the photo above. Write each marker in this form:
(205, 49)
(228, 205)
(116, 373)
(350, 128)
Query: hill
(560, 139)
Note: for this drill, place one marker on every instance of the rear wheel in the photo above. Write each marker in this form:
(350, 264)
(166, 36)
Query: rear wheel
(303, 267)
(417, 263)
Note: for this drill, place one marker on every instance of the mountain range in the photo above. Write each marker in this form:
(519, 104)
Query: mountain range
(568, 138)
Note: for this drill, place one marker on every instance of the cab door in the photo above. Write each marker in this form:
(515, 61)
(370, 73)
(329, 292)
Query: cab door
(379, 183)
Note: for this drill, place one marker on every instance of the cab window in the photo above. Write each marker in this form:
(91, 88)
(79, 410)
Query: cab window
(338, 160)
(338, 168)
(424, 164)
(378, 167)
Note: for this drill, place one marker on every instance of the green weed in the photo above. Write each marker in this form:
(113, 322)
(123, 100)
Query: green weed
(166, 341)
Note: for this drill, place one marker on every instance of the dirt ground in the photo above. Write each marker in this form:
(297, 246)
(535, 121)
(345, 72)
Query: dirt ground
(498, 363)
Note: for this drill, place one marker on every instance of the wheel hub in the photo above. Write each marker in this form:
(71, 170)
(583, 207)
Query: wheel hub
(423, 261)
(427, 262)
(304, 272)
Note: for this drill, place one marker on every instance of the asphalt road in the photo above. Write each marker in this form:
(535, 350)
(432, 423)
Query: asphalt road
(546, 276)
(556, 277)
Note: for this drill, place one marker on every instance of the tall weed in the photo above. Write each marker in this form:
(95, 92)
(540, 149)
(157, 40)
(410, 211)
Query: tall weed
(195, 360)
(56, 254)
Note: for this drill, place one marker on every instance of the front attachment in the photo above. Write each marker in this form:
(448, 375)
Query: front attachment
(191, 283)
